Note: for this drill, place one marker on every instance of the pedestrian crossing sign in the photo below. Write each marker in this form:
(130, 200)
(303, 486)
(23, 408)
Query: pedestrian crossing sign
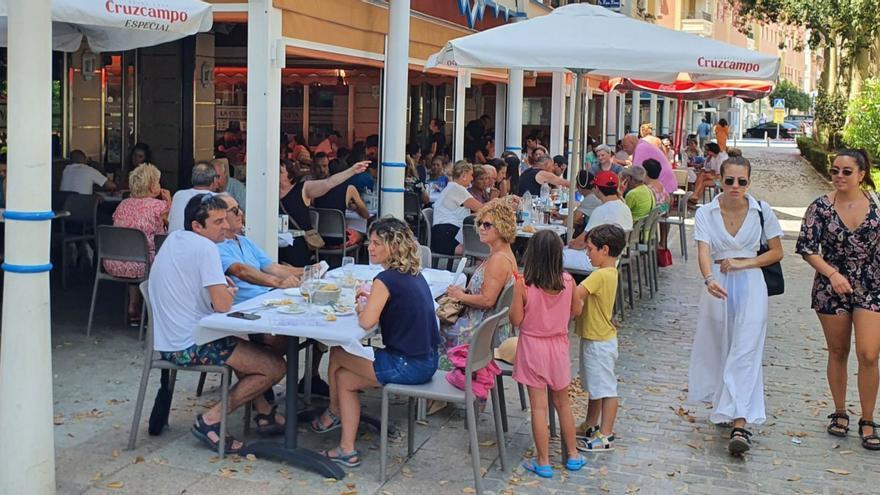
(779, 103)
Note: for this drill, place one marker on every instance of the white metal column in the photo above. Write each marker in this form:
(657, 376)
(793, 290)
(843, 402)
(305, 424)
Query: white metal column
(667, 107)
(611, 117)
(557, 114)
(265, 57)
(394, 122)
(621, 117)
(652, 113)
(27, 442)
(462, 82)
(500, 117)
(636, 112)
(514, 111)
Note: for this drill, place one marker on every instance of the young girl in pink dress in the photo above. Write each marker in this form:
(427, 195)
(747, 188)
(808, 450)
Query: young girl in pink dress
(544, 302)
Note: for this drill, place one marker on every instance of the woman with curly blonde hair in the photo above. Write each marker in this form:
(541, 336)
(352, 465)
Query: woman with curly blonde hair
(146, 210)
(496, 224)
(400, 303)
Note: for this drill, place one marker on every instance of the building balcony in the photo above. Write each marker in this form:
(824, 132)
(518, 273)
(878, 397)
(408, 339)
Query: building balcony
(699, 23)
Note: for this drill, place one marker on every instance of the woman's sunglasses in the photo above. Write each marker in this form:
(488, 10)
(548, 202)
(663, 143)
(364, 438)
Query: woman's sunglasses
(485, 225)
(742, 181)
(846, 172)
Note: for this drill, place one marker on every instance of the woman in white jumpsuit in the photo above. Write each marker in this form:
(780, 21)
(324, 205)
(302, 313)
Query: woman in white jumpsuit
(725, 367)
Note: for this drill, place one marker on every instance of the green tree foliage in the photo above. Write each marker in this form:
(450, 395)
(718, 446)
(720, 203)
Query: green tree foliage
(831, 115)
(793, 96)
(863, 128)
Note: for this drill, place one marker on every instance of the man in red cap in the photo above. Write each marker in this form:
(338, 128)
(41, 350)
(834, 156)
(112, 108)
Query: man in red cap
(612, 211)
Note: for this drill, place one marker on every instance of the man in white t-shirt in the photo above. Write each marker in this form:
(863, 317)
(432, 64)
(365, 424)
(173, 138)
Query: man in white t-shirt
(612, 211)
(186, 284)
(204, 180)
(80, 178)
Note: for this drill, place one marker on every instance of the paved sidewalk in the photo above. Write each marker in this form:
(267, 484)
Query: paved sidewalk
(665, 445)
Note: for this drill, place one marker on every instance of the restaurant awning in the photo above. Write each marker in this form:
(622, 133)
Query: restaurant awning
(685, 89)
(118, 25)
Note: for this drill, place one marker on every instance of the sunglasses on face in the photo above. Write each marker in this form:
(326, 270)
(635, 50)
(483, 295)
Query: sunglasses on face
(742, 181)
(846, 172)
(235, 210)
(485, 225)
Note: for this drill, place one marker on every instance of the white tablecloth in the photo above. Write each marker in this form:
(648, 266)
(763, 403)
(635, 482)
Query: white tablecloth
(559, 228)
(345, 331)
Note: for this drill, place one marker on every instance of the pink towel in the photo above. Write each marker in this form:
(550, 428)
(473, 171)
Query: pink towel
(483, 379)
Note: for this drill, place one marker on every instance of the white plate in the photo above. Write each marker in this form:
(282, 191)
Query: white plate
(340, 311)
(293, 291)
(291, 310)
(277, 302)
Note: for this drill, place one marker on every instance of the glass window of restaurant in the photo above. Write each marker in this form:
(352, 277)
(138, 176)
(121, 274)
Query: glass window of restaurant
(58, 102)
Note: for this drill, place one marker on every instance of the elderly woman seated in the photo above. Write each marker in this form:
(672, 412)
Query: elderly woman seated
(451, 208)
(400, 303)
(146, 210)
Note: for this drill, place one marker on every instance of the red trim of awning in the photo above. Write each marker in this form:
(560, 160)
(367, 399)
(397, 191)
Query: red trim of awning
(688, 90)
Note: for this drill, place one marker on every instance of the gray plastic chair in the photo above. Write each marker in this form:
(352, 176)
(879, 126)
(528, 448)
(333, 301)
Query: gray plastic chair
(412, 212)
(629, 258)
(332, 223)
(473, 246)
(436, 258)
(678, 220)
(153, 360)
(479, 356)
(425, 254)
(648, 243)
(158, 240)
(119, 244)
(505, 299)
(78, 227)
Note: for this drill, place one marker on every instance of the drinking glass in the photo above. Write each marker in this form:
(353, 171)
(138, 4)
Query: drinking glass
(348, 279)
(307, 282)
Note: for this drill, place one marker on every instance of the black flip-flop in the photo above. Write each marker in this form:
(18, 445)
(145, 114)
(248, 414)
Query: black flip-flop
(201, 430)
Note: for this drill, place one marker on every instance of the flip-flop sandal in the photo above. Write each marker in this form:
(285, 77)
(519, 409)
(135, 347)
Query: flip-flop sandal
(201, 430)
(740, 441)
(267, 424)
(343, 458)
(575, 463)
(318, 425)
(542, 471)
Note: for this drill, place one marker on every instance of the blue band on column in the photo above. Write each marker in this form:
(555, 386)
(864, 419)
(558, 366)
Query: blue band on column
(29, 216)
(13, 268)
(512, 148)
(394, 164)
(393, 190)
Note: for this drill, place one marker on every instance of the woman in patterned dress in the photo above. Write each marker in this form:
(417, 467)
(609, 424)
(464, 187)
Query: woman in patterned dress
(840, 239)
(146, 210)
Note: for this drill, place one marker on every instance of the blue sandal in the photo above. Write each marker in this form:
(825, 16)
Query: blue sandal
(542, 471)
(318, 425)
(343, 458)
(575, 463)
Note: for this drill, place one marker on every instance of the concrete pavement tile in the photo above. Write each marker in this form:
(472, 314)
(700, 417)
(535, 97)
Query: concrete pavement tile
(147, 479)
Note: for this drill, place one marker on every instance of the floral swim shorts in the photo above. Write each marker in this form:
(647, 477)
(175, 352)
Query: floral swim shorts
(212, 353)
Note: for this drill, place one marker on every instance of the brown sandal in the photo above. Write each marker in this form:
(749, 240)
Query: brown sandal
(835, 428)
(872, 441)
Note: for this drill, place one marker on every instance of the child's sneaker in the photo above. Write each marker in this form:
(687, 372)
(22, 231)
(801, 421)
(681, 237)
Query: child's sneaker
(599, 443)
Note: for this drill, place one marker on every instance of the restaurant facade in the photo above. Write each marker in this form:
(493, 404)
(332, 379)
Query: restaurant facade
(180, 97)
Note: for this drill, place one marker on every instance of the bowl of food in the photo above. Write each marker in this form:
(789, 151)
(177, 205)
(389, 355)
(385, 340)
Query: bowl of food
(326, 294)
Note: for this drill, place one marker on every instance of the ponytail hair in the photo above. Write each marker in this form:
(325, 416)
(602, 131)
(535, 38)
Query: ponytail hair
(862, 160)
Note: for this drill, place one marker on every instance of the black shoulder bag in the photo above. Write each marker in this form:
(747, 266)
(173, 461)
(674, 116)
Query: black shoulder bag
(772, 273)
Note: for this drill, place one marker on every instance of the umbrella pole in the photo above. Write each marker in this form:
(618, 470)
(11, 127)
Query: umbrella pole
(679, 115)
(576, 158)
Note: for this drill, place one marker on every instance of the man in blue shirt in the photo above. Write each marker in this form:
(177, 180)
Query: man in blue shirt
(254, 273)
(703, 131)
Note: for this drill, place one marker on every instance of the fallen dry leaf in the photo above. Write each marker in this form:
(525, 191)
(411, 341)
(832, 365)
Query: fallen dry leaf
(115, 453)
(842, 472)
(693, 445)
(97, 476)
(468, 489)
(115, 485)
(530, 483)
(487, 443)
(795, 477)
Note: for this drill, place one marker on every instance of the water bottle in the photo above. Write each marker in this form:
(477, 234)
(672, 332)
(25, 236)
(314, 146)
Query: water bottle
(545, 194)
(526, 206)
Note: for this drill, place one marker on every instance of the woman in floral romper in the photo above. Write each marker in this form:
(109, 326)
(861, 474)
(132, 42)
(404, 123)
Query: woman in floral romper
(840, 239)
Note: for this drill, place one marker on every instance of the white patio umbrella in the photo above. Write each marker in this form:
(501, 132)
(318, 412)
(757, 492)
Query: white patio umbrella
(34, 28)
(118, 25)
(585, 38)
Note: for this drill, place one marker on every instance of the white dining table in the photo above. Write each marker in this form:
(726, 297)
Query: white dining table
(557, 227)
(344, 331)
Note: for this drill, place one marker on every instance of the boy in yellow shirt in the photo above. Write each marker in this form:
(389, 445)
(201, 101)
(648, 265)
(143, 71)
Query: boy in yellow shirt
(598, 351)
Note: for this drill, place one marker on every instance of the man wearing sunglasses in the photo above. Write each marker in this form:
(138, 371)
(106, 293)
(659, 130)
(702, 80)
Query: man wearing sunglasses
(254, 273)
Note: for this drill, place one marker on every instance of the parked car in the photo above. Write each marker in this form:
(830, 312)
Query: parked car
(786, 131)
